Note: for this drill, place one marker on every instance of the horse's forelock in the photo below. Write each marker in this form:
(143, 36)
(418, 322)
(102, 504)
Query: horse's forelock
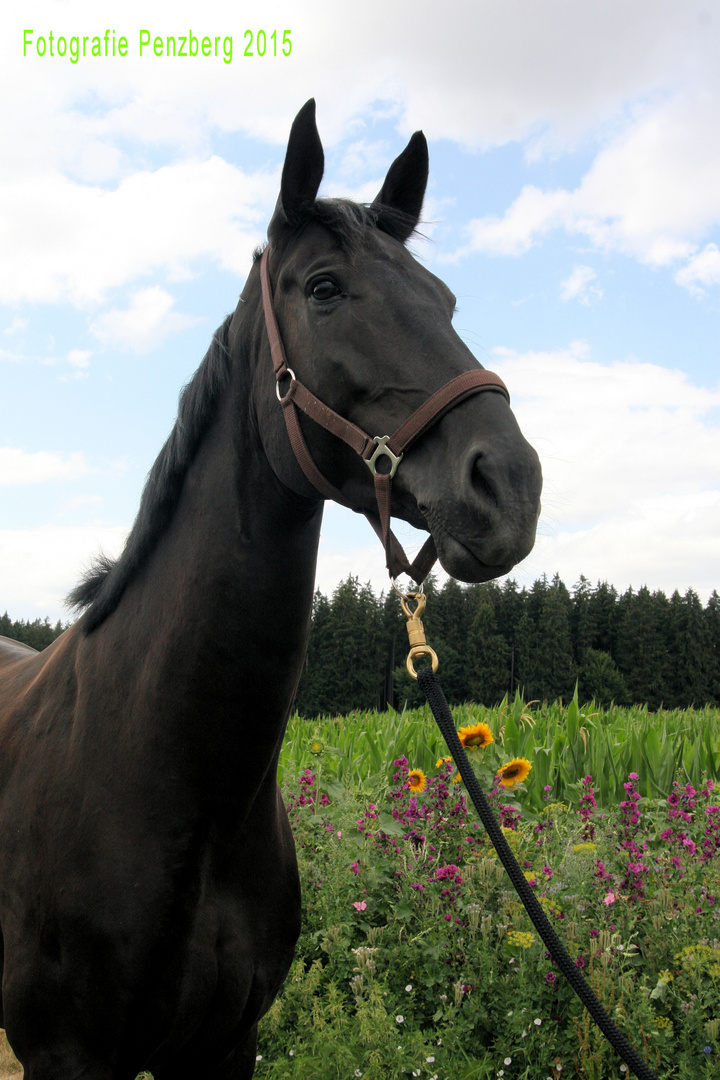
(349, 222)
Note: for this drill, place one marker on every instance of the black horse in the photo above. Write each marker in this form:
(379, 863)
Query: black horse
(149, 895)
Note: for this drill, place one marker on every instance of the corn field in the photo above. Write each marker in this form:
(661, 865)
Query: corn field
(563, 742)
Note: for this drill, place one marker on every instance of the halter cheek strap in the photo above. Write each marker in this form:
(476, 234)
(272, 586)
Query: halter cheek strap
(294, 395)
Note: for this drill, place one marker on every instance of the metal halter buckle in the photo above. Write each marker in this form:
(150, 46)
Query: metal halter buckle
(288, 371)
(382, 449)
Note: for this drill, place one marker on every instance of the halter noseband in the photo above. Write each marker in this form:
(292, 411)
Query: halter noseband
(370, 449)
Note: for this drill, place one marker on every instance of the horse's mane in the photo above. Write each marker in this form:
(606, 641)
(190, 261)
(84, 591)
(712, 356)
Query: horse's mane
(102, 586)
(105, 581)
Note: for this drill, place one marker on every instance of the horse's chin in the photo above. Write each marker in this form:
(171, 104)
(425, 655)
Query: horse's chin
(461, 562)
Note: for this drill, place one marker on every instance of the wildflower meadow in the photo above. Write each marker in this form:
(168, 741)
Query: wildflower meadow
(417, 959)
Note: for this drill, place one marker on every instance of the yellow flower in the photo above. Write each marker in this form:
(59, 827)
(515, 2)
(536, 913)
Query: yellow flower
(520, 938)
(443, 761)
(417, 780)
(514, 772)
(475, 735)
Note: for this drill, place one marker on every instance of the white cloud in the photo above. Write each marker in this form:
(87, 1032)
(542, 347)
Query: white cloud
(512, 71)
(144, 324)
(652, 193)
(39, 567)
(84, 212)
(16, 326)
(631, 460)
(701, 270)
(20, 467)
(581, 285)
(79, 358)
(67, 241)
(530, 216)
(80, 503)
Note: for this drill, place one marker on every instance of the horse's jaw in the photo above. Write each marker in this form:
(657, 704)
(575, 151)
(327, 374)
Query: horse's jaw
(477, 558)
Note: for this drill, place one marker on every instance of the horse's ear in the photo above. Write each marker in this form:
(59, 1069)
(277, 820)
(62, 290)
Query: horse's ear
(404, 190)
(302, 171)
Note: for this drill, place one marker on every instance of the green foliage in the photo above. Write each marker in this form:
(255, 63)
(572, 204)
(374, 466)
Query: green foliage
(39, 633)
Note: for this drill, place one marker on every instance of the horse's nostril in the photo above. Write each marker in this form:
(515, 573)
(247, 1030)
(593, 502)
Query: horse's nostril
(480, 482)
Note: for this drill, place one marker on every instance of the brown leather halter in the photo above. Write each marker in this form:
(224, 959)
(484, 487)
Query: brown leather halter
(370, 449)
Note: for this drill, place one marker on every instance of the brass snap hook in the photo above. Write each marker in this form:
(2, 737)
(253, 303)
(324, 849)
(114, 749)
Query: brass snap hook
(416, 632)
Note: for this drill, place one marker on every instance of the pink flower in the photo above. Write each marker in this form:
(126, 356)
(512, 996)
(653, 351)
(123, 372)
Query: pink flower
(360, 905)
(609, 899)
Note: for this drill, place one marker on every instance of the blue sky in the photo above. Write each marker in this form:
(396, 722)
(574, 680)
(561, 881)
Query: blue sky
(573, 207)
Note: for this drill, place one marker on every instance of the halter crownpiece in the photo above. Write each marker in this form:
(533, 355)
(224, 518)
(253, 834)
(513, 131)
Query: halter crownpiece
(370, 448)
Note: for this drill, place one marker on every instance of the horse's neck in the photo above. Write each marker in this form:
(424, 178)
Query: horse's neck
(211, 634)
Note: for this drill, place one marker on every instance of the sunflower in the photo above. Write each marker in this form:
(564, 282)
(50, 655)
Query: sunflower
(514, 772)
(475, 735)
(416, 779)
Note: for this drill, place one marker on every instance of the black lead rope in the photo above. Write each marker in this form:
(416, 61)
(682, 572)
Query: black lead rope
(439, 706)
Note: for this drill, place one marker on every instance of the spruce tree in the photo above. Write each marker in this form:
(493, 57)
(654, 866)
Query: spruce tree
(488, 655)
(712, 622)
(583, 619)
(603, 615)
(600, 680)
(641, 648)
(689, 656)
(556, 668)
(527, 677)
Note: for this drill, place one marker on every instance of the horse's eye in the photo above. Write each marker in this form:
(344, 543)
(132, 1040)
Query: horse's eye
(325, 289)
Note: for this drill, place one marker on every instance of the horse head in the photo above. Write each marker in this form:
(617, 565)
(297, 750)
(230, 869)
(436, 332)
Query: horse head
(368, 331)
